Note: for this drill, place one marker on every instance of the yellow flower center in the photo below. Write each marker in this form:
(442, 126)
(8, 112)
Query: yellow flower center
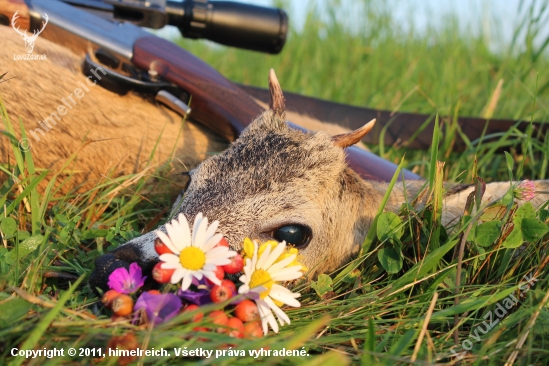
(260, 277)
(192, 258)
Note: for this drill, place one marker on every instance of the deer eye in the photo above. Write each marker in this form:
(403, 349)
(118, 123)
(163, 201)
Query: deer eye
(298, 235)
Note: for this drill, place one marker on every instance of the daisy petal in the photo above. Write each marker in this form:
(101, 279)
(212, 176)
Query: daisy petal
(212, 277)
(263, 258)
(212, 241)
(187, 280)
(197, 221)
(282, 317)
(166, 240)
(284, 297)
(169, 258)
(177, 275)
(263, 318)
(277, 252)
(283, 263)
(181, 229)
(170, 265)
(210, 232)
(287, 274)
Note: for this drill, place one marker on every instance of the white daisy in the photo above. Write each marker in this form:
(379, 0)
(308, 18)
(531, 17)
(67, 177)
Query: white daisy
(196, 254)
(261, 274)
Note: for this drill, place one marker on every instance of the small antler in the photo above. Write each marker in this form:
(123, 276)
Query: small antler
(278, 103)
(43, 26)
(13, 20)
(348, 139)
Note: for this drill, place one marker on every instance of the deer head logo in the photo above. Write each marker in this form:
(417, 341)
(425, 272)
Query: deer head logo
(29, 40)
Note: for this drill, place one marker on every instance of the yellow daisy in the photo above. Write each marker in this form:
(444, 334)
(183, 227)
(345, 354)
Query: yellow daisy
(261, 274)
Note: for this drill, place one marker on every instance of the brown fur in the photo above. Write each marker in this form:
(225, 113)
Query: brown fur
(270, 177)
(124, 129)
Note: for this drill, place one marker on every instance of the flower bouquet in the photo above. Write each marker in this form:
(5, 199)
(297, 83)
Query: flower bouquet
(202, 266)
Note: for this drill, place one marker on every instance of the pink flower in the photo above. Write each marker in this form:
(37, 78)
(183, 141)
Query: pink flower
(526, 190)
(125, 282)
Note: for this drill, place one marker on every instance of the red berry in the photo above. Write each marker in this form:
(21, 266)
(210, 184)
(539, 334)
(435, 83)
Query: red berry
(236, 265)
(253, 330)
(219, 273)
(161, 248)
(223, 243)
(122, 305)
(162, 275)
(236, 328)
(247, 311)
(191, 308)
(108, 297)
(154, 292)
(223, 292)
(218, 317)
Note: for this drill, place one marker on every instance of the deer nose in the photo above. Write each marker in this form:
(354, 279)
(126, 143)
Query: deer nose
(121, 257)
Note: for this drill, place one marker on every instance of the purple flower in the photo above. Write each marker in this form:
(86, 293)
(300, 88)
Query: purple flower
(126, 283)
(200, 297)
(159, 308)
(526, 190)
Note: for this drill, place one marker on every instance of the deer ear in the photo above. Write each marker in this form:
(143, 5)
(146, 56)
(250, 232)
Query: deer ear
(278, 103)
(348, 139)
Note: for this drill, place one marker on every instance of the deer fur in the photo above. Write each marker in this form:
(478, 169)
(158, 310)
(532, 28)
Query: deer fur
(122, 130)
(273, 176)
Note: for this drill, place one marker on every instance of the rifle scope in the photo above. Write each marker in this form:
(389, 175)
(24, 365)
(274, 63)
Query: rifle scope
(229, 23)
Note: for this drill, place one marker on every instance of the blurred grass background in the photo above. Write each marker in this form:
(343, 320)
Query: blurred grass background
(361, 54)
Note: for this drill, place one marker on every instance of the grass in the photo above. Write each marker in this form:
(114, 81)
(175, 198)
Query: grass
(380, 308)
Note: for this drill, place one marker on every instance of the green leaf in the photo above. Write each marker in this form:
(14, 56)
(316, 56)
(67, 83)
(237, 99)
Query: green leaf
(525, 211)
(94, 233)
(514, 240)
(323, 285)
(389, 226)
(25, 247)
(390, 259)
(12, 311)
(533, 229)
(8, 226)
(487, 233)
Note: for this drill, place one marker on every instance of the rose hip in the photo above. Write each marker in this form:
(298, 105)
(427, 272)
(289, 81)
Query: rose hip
(219, 273)
(161, 248)
(191, 308)
(253, 330)
(122, 305)
(218, 317)
(247, 311)
(162, 275)
(236, 265)
(223, 243)
(223, 291)
(108, 297)
(236, 328)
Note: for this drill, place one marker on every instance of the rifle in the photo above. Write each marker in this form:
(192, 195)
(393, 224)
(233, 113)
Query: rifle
(169, 71)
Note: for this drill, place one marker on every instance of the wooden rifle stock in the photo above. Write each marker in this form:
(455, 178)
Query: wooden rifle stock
(225, 108)
(9, 7)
